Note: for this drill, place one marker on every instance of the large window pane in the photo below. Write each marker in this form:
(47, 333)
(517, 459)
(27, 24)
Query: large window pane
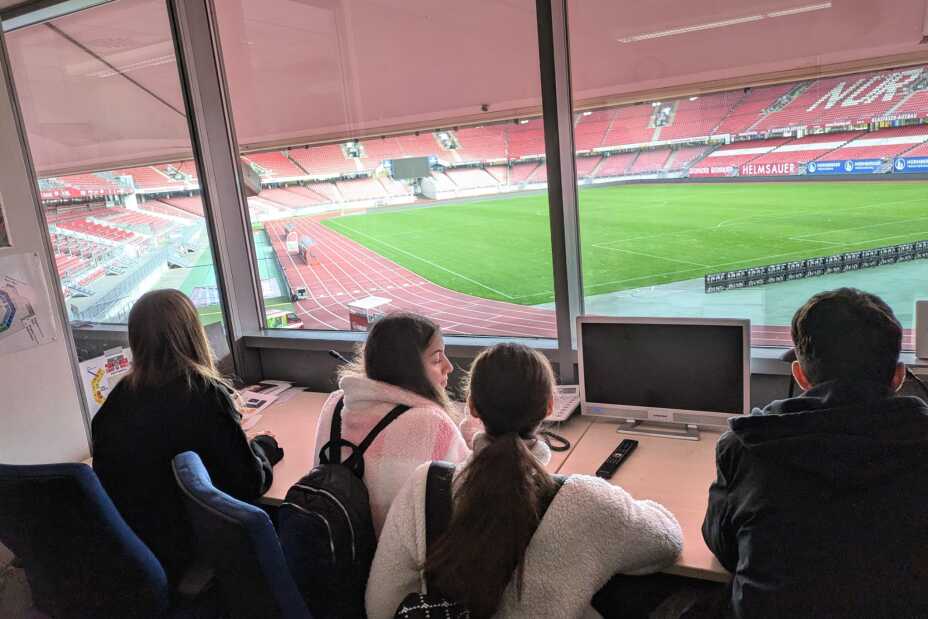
(106, 124)
(745, 201)
(401, 154)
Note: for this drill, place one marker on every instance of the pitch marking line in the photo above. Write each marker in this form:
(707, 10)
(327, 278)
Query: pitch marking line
(425, 260)
(646, 255)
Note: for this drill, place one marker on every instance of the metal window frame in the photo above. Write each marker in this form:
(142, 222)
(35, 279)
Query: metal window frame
(212, 134)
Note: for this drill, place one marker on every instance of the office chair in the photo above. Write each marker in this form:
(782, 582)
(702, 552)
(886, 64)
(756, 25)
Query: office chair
(80, 557)
(240, 544)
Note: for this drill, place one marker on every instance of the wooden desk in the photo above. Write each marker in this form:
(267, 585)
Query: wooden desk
(675, 473)
(292, 420)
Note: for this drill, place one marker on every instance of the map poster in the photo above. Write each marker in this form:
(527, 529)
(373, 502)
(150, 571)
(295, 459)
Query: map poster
(4, 233)
(100, 374)
(26, 317)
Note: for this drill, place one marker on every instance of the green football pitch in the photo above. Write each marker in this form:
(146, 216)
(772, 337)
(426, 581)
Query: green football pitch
(640, 235)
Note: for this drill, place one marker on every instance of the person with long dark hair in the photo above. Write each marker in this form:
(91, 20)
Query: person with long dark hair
(499, 556)
(173, 400)
(403, 361)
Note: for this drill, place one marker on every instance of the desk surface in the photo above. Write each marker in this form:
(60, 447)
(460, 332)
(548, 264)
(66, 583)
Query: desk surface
(676, 473)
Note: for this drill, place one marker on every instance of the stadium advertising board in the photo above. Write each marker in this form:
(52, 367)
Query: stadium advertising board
(717, 170)
(845, 166)
(769, 169)
(910, 165)
(814, 267)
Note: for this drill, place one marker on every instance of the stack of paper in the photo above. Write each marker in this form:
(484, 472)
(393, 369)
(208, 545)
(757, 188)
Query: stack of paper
(258, 397)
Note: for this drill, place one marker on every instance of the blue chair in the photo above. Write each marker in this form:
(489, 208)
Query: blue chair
(80, 557)
(239, 542)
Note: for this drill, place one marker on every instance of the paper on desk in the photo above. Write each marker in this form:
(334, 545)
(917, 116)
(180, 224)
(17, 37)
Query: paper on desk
(268, 387)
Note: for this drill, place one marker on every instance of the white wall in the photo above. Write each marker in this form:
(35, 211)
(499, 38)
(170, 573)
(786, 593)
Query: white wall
(41, 419)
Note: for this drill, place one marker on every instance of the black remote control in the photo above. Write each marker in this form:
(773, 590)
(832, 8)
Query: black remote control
(608, 468)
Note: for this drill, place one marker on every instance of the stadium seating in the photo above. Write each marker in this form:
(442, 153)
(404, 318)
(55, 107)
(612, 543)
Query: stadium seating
(808, 148)
(377, 150)
(615, 165)
(587, 165)
(683, 157)
(310, 196)
(748, 111)
(148, 177)
(882, 144)
(421, 145)
(192, 204)
(395, 188)
(729, 158)
(275, 165)
(591, 128)
(649, 161)
(157, 206)
(520, 172)
(499, 172)
(629, 125)
(287, 199)
(483, 143)
(695, 117)
(93, 229)
(361, 189)
(328, 160)
(527, 139)
(472, 177)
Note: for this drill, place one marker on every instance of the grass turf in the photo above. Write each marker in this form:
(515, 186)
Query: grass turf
(639, 235)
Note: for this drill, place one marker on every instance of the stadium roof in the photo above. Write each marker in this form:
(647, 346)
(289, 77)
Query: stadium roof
(99, 88)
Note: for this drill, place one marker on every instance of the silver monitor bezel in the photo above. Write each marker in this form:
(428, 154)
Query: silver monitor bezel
(658, 414)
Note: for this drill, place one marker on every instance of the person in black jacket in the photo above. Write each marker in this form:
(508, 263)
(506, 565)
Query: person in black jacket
(173, 400)
(819, 507)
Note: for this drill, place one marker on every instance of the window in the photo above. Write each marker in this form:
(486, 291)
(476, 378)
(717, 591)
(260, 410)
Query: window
(401, 158)
(714, 184)
(106, 124)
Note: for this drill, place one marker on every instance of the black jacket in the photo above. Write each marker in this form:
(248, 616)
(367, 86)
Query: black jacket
(135, 436)
(820, 508)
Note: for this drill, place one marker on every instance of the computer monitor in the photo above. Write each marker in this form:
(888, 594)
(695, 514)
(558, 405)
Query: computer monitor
(680, 373)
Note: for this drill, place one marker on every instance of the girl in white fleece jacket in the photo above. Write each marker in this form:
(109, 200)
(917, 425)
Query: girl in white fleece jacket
(496, 557)
(403, 362)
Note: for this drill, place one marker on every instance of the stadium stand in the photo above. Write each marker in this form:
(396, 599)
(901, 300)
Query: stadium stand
(629, 125)
(310, 196)
(586, 166)
(499, 172)
(808, 148)
(882, 144)
(699, 116)
(149, 178)
(729, 158)
(483, 143)
(590, 129)
(323, 161)
(527, 139)
(751, 108)
(361, 189)
(162, 208)
(275, 165)
(846, 99)
(377, 150)
(650, 161)
(421, 145)
(394, 188)
(472, 177)
(615, 165)
(685, 156)
(520, 172)
(192, 204)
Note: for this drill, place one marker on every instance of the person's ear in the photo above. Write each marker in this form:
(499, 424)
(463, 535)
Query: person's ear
(898, 378)
(799, 374)
(550, 408)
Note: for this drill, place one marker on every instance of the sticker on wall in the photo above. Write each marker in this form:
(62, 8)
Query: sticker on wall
(26, 319)
(4, 233)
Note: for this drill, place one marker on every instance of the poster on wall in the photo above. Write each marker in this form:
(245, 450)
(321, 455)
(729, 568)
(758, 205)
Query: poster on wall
(100, 374)
(26, 317)
(4, 233)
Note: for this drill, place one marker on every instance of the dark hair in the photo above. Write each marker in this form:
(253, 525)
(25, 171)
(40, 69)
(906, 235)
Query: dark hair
(393, 352)
(499, 499)
(848, 334)
(167, 341)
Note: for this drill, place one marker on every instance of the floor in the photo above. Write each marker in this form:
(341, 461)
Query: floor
(15, 597)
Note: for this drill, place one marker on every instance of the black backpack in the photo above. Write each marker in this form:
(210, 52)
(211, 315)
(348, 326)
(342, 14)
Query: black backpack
(438, 507)
(325, 526)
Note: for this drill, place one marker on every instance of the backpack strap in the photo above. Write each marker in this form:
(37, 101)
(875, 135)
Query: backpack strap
(331, 452)
(438, 506)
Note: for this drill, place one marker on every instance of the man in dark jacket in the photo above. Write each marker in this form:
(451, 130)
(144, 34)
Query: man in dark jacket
(820, 508)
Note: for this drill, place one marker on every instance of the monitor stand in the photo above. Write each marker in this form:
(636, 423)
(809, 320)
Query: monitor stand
(684, 431)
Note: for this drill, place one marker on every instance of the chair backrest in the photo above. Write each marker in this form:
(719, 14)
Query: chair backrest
(240, 544)
(80, 557)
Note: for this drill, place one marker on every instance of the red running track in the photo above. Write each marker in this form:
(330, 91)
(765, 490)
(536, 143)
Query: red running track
(344, 271)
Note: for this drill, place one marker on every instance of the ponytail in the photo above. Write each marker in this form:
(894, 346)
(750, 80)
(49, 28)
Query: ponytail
(501, 494)
(497, 508)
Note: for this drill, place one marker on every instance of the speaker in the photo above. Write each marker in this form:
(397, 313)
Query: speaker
(921, 329)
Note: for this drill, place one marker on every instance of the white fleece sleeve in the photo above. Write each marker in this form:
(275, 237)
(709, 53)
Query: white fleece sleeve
(395, 570)
(654, 539)
(324, 423)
